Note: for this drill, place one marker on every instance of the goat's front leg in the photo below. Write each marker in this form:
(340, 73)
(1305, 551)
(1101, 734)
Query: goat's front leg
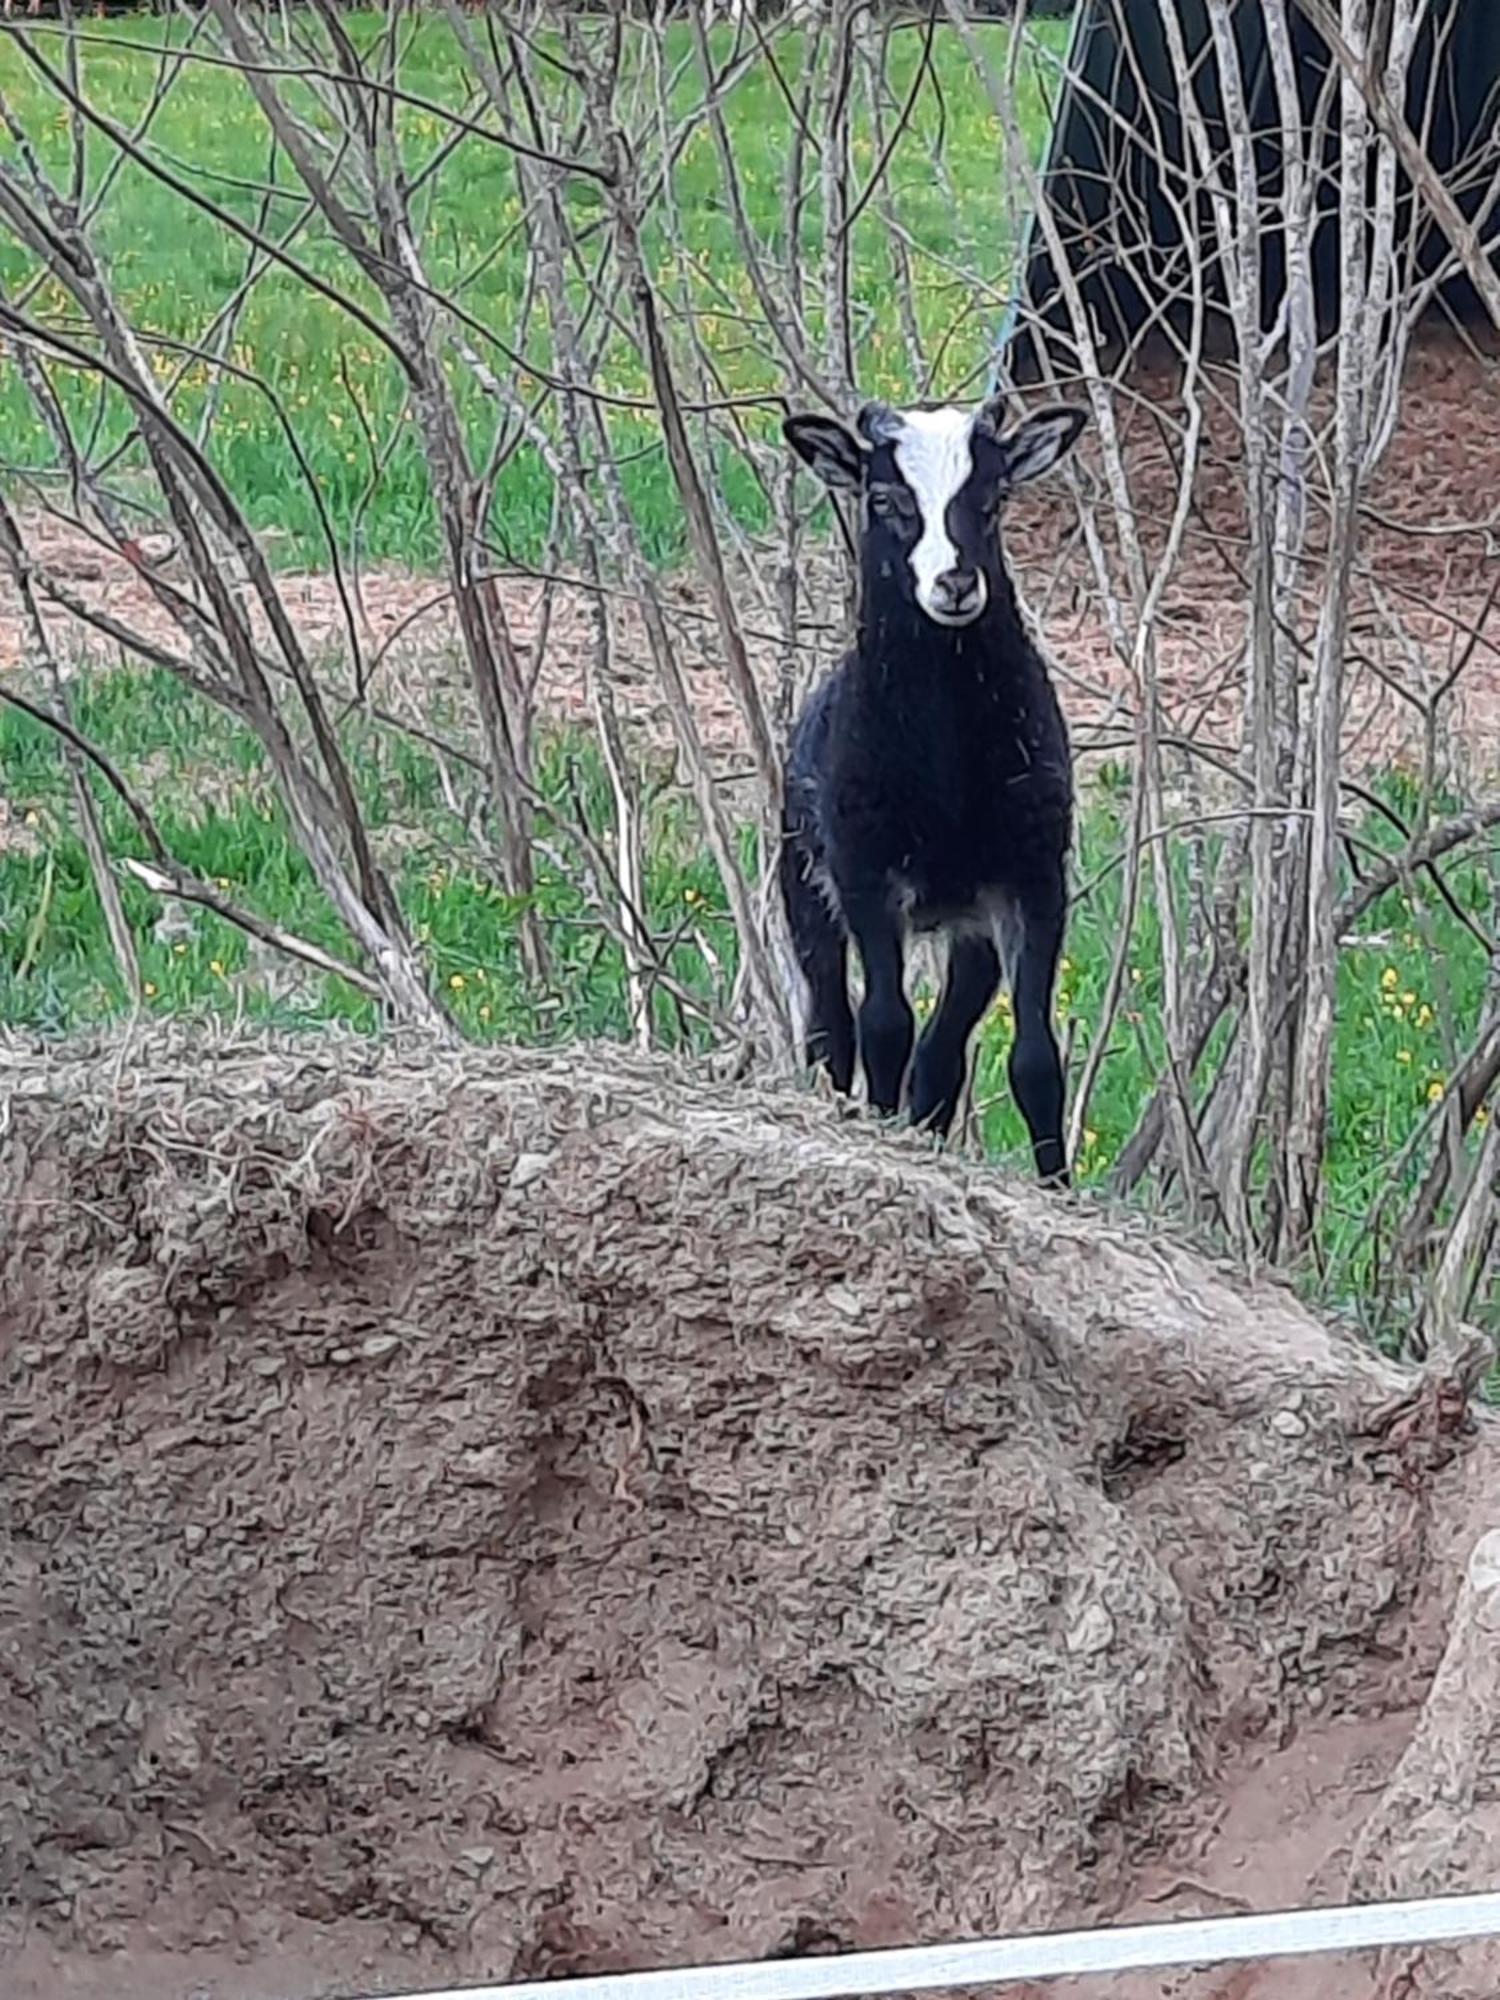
(1036, 1071)
(885, 1017)
(818, 943)
(942, 1054)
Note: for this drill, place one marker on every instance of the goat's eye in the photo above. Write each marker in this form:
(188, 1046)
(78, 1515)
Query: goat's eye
(892, 503)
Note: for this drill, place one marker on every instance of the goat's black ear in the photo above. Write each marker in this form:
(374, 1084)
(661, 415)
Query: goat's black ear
(1035, 446)
(823, 443)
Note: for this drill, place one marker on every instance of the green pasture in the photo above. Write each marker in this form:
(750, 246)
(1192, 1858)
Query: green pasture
(298, 362)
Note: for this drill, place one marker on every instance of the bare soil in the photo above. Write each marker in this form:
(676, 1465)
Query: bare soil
(514, 1515)
(1417, 560)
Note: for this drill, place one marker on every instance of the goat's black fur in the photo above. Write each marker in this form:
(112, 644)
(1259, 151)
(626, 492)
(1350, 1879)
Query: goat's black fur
(929, 788)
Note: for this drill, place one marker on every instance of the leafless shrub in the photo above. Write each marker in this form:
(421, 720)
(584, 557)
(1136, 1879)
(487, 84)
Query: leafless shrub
(1310, 398)
(1220, 577)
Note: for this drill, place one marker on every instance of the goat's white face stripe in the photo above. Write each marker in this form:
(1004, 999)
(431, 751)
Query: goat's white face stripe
(935, 456)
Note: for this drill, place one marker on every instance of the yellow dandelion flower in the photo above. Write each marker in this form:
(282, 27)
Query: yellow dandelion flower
(216, 967)
(1135, 975)
(33, 819)
(1390, 979)
(458, 982)
(180, 949)
(1424, 1016)
(1481, 1117)
(484, 1012)
(1408, 999)
(1090, 1137)
(149, 989)
(1403, 1055)
(1435, 1092)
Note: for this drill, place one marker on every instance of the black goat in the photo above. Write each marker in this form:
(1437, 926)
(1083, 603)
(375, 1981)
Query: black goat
(929, 780)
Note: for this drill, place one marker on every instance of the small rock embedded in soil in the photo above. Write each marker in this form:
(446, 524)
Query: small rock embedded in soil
(1094, 1632)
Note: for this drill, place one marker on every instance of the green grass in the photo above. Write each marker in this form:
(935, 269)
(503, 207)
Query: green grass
(1419, 971)
(204, 776)
(174, 266)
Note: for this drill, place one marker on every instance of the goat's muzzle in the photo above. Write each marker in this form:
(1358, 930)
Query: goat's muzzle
(957, 597)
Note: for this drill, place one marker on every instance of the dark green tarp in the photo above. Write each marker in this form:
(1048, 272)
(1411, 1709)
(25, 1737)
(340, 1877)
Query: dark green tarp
(1120, 120)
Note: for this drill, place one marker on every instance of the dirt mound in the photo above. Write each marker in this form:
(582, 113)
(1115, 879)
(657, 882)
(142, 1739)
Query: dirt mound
(475, 1517)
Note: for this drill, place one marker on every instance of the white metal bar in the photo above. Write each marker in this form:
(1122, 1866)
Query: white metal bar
(1046, 1955)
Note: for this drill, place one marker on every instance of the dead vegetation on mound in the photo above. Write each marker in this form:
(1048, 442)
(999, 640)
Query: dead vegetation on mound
(577, 1519)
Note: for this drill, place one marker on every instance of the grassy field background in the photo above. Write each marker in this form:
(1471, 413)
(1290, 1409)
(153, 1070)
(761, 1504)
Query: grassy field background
(174, 267)
(1407, 987)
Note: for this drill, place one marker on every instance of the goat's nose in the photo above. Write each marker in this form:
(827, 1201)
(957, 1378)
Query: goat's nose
(957, 589)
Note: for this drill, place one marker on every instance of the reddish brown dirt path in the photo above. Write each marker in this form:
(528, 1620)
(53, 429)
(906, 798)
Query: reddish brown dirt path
(1440, 470)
